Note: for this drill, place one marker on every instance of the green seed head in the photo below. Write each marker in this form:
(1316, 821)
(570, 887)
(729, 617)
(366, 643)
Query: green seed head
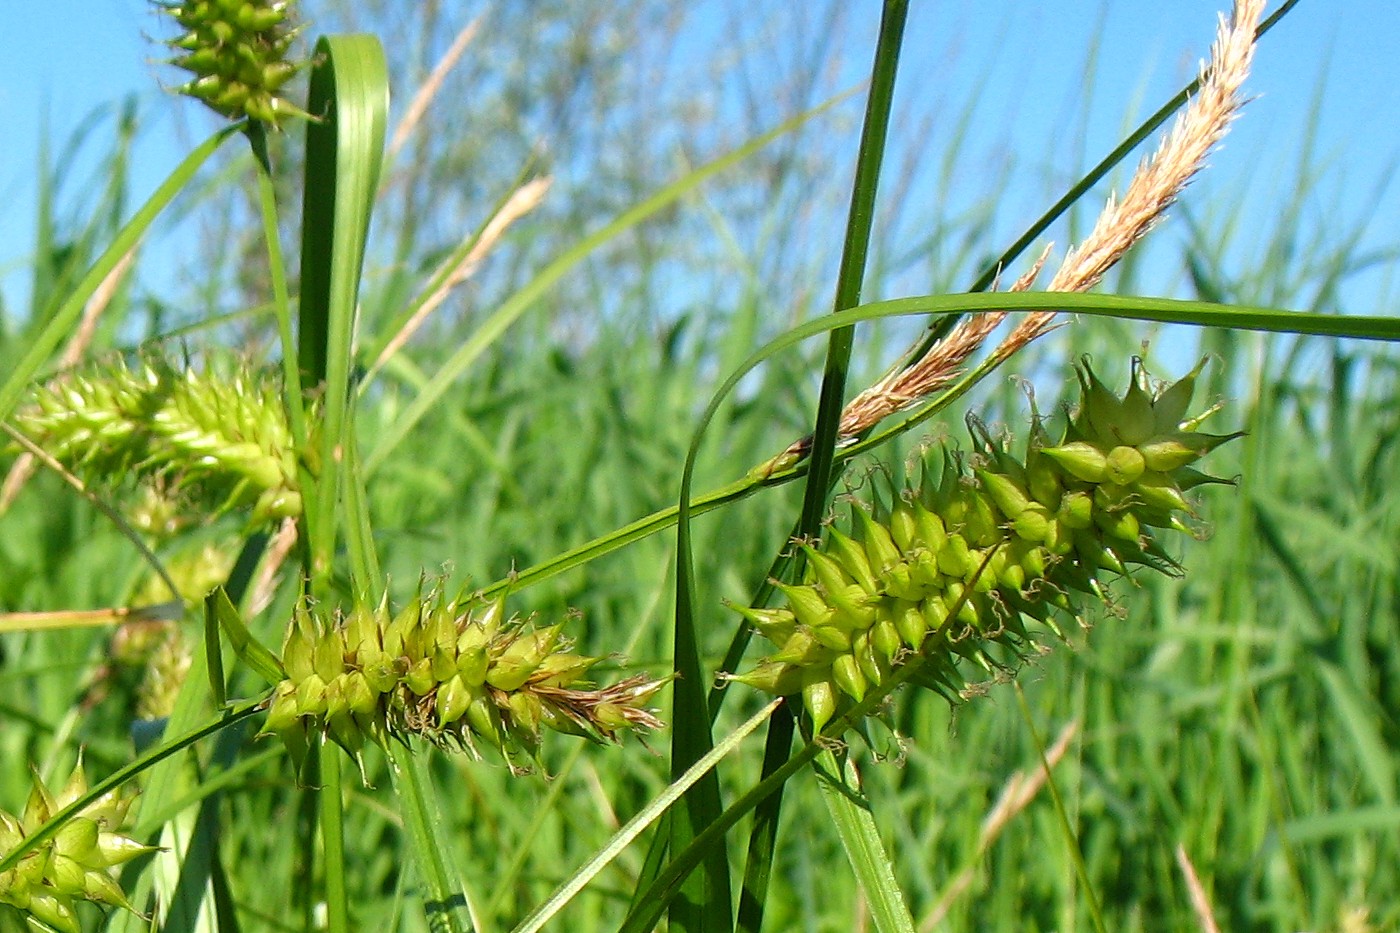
(237, 55)
(217, 440)
(454, 672)
(954, 572)
(71, 865)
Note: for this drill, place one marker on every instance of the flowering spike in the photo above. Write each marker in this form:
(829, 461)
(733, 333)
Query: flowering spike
(71, 865)
(981, 546)
(460, 675)
(237, 54)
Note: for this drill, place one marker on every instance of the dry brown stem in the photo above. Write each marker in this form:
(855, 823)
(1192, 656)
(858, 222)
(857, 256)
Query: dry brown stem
(1200, 902)
(419, 105)
(523, 200)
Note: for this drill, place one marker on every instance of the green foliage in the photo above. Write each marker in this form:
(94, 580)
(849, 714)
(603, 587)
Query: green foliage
(1240, 712)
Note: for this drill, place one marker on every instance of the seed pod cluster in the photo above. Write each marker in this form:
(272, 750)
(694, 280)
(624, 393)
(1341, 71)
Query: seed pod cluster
(459, 675)
(220, 434)
(237, 51)
(958, 564)
(72, 865)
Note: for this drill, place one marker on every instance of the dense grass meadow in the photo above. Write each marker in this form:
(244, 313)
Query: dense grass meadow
(481, 327)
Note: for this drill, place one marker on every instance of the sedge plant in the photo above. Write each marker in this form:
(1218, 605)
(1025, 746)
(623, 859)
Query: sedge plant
(949, 578)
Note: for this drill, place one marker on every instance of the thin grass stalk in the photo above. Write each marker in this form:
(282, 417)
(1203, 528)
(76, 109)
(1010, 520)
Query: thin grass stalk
(330, 797)
(445, 904)
(1081, 870)
(277, 274)
(708, 895)
(854, 832)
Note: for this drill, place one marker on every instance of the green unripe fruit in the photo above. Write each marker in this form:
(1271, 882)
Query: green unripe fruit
(819, 697)
(1124, 465)
(1076, 509)
(878, 542)
(1081, 460)
(909, 621)
(904, 529)
(1009, 497)
(1032, 524)
(807, 605)
(955, 558)
(851, 556)
(847, 676)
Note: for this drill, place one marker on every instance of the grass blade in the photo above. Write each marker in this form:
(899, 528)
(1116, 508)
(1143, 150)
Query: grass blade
(855, 824)
(344, 149)
(850, 282)
(644, 818)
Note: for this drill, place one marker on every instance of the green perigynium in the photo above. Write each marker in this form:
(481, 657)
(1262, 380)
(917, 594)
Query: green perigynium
(458, 674)
(220, 435)
(237, 51)
(958, 564)
(75, 864)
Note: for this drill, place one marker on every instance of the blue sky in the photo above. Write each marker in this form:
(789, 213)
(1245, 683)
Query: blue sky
(66, 57)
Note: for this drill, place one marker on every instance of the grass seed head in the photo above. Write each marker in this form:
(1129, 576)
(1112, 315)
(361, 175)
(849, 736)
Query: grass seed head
(72, 865)
(238, 53)
(217, 439)
(951, 572)
(458, 674)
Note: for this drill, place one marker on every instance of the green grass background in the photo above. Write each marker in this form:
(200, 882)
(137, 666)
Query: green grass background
(1246, 712)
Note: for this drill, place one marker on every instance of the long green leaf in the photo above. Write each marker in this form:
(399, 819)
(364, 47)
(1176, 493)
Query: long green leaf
(850, 282)
(644, 818)
(349, 94)
(855, 824)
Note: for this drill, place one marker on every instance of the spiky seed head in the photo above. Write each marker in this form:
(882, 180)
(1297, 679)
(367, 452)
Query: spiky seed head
(237, 54)
(955, 567)
(457, 673)
(72, 865)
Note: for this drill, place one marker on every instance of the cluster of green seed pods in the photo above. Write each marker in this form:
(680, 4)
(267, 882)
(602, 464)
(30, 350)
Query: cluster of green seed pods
(458, 675)
(237, 51)
(221, 434)
(75, 864)
(956, 565)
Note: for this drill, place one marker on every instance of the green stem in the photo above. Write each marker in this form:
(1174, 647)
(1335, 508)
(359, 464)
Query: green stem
(333, 839)
(445, 902)
(277, 273)
(1062, 814)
